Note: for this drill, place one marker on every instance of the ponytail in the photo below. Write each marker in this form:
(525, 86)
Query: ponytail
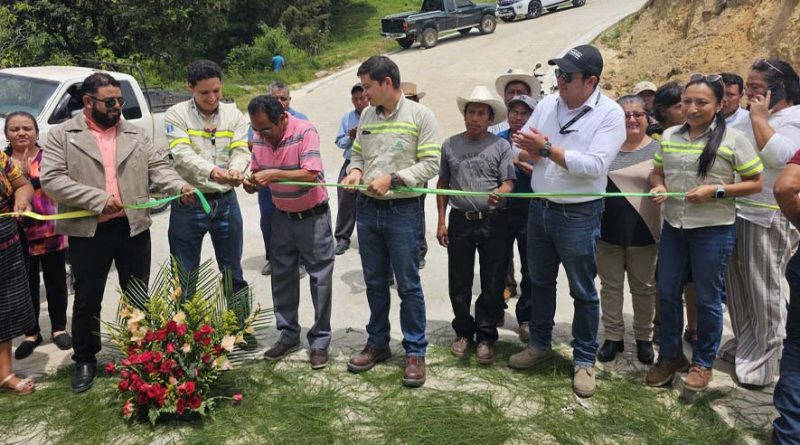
(709, 154)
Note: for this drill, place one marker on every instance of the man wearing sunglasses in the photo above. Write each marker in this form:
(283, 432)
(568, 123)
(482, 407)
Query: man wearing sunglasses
(98, 162)
(571, 138)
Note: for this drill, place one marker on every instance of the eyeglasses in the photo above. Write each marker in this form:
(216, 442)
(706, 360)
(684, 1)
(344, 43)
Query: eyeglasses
(564, 75)
(635, 114)
(710, 78)
(109, 102)
(766, 62)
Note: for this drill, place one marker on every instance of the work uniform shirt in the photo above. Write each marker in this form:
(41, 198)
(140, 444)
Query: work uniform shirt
(198, 143)
(590, 145)
(475, 166)
(298, 149)
(678, 155)
(404, 142)
(778, 150)
(343, 141)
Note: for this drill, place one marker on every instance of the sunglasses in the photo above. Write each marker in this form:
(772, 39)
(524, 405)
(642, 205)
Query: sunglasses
(564, 75)
(710, 78)
(635, 114)
(110, 101)
(766, 62)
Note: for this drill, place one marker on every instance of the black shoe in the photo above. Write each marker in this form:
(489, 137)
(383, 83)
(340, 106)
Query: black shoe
(84, 375)
(644, 351)
(26, 347)
(63, 341)
(341, 247)
(609, 350)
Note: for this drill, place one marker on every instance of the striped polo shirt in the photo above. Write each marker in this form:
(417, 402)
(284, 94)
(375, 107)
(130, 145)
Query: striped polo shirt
(299, 149)
(678, 156)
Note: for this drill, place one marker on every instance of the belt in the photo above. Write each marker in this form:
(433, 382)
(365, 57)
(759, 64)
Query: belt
(215, 196)
(477, 215)
(387, 203)
(314, 211)
(546, 203)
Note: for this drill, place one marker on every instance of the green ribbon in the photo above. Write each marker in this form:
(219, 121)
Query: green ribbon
(447, 192)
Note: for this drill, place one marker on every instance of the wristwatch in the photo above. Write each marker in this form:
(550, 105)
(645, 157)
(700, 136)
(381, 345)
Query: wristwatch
(396, 181)
(545, 151)
(720, 193)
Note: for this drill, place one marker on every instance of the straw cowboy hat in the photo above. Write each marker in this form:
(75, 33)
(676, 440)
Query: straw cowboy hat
(517, 75)
(483, 95)
(410, 89)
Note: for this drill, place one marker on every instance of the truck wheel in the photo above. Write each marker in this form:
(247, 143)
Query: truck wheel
(535, 9)
(488, 24)
(578, 3)
(430, 37)
(405, 42)
(465, 31)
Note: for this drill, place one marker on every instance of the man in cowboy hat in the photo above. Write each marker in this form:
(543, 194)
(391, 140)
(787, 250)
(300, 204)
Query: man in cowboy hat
(476, 161)
(512, 83)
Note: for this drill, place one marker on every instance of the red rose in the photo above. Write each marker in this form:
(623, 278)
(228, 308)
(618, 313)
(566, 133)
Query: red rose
(170, 348)
(172, 326)
(149, 336)
(110, 368)
(205, 341)
(180, 406)
(127, 361)
(141, 399)
(143, 388)
(135, 377)
(157, 357)
(123, 385)
(207, 358)
(149, 367)
(161, 335)
(180, 373)
(132, 349)
(125, 374)
(218, 349)
(167, 366)
(195, 401)
(135, 386)
(186, 388)
(181, 329)
(204, 331)
(153, 391)
(237, 398)
(145, 357)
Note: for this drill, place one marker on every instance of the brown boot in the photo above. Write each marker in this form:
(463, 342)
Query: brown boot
(485, 354)
(460, 347)
(698, 378)
(662, 372)
(318, 358)
(367, 358)
(414, 375)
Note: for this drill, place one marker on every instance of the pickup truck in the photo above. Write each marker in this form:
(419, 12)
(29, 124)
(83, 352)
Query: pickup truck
(52, 95)
(508, 10)
(435, 17)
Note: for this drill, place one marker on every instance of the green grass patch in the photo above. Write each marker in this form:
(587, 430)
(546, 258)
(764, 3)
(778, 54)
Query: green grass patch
(461, 403)
(614, 37)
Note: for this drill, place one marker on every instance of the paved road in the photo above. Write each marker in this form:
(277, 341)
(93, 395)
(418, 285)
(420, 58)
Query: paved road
(444, 72)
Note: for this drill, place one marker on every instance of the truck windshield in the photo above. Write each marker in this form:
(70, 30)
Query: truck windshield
(19, 93)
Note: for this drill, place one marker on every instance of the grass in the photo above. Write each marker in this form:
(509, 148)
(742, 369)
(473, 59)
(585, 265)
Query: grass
(613, 37)
(461, 403)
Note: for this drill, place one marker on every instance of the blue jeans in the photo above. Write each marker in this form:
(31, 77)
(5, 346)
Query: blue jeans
(787, 390)
(568, 234)
(388, 231)
(706, 250)
(265, 207)
(188, 225)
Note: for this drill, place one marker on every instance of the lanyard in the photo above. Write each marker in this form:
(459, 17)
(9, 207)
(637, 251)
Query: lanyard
(565, 128)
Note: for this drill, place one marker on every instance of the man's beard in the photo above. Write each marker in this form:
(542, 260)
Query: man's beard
(104, 119)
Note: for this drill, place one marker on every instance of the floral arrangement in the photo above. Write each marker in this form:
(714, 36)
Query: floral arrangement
(175, 346)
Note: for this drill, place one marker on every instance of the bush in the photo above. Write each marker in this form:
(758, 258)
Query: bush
(258, 56)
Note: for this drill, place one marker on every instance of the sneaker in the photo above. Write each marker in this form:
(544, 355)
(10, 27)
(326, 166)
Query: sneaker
(583, 383)
(267, 270)
(664, 370)
(524, 332)
(698, 378)
(527, 358)
(460, 347)
(280, 350)
(302, 272)
(341, 247)
(609, 350)
(485, 354)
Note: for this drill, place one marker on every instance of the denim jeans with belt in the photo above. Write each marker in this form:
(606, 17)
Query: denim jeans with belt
(787, 390)
(706, 250)
(265, 208)
(188, 225)
(564, 234)
(388, 231)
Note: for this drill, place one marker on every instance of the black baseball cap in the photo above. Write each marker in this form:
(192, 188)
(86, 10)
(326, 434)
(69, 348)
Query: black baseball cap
(581, 59)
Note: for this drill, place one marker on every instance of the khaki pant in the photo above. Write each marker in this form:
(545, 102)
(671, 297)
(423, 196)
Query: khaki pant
(640, 264)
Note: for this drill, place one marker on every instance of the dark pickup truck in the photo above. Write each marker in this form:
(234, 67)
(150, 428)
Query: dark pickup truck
(436, 17)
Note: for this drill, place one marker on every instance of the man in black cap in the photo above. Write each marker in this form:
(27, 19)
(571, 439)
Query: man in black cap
(571, 138)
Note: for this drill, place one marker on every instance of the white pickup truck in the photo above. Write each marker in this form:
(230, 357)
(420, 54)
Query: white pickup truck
(52, 95)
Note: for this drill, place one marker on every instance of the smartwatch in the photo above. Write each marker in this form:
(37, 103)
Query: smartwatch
(720, 193)
(545, 151)
(396, 181)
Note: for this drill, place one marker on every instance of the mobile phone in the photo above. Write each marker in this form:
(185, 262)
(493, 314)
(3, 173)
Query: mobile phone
(778, 94)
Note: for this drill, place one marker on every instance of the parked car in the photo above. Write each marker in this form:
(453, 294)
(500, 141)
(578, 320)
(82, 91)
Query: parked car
(508, 10)
(435, 17)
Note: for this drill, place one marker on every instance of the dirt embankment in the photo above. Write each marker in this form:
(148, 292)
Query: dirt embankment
(672, 39)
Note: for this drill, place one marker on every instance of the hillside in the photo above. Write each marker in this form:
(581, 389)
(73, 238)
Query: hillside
(672, 39)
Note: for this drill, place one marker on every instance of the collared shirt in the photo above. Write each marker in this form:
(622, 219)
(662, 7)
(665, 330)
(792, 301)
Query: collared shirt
(299, 149)
(678, 155)
(775, 154)
(343, 141)
(107, 143)
(199, 143)
(292, 111)
(590, 145)
(499, 128)
(404, 142)
(737, 119)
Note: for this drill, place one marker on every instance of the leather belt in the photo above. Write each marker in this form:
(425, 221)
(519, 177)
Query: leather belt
(305, 214)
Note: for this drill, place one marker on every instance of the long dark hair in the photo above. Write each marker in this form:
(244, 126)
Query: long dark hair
(15, 114)
(776, 71)
(709, 154)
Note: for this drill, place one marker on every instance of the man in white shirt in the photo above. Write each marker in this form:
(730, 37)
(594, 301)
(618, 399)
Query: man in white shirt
(735, 115)
(571, 138)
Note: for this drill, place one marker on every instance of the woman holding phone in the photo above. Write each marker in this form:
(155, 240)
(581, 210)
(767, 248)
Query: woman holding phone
(756, 294)
(701, 158)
